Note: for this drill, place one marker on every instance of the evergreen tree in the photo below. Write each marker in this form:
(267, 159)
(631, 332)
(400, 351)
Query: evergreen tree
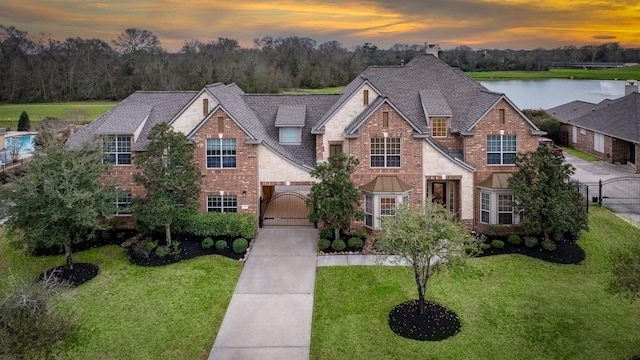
(550, 201)
(60, 200)
(171, 179)
(334, 200)
(24, 124)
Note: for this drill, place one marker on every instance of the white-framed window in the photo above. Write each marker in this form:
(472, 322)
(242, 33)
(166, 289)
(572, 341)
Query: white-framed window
(574, 134)
(222, 203)
(221, 153)
(116, 149)
(583, 131)
(387, 206)
(485, 208)
(505, 209)
(379, 205)
(368, 210)
(123, 203)
(385, 152)
(501, 149)
(290, 135)
(598, 142)
(496, 207)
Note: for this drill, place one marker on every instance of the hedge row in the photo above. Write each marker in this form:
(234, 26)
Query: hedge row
(221, 224)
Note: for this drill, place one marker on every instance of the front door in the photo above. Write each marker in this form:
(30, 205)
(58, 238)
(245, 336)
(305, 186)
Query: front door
(445, 193)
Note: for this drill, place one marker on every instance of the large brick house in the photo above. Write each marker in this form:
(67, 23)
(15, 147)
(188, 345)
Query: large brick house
(421, 131)
(608, 130)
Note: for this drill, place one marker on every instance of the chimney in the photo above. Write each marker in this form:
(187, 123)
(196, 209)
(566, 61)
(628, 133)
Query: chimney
(432, 49)
(630, 87)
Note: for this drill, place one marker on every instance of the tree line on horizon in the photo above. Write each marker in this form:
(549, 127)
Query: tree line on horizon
(41, 69)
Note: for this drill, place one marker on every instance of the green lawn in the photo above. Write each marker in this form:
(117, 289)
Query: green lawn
(626, 73)
(510, 306)
(82, 112)
(582, 155)
(133, 312)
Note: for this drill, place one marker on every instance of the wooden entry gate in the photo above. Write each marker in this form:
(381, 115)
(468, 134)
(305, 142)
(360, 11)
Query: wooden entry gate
(287, 208)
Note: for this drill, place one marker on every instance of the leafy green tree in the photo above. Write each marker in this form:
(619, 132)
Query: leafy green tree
(545, 122)
(24, 124)
(171, 179)
(549, 200)
(334, 200)
(428, 239)
(60, 200)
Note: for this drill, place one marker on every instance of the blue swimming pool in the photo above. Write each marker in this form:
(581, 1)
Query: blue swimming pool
(25, 143)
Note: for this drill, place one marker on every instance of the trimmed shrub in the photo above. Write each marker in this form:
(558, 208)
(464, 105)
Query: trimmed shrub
(240, 245)
(361, 233)
(326, 233)
(324, 244)
(338, 245)
(162, 251)
(549, 245)
(207, 243)
(221, 245)
(485, 246)
(220, 224)
(530, 241)
(514, 239)
(355, 242)
(498, 244)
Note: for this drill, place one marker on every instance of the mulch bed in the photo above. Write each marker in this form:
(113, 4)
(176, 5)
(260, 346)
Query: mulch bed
(189, 249)
(81, 273)
(437, 323)
(566, 252)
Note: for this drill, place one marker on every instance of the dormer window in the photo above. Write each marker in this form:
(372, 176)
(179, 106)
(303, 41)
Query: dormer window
(290, 120)
(290, 135)
(439, 127)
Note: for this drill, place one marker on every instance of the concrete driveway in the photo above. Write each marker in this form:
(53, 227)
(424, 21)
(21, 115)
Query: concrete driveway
(622, 197)
(269, 316)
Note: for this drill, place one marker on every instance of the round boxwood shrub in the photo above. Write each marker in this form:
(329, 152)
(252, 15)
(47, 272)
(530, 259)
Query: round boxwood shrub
(514, 239)
(206, 243)
(485, 246)
(324, 244)
(549, 245)
(326, 233)
(240, 245)
(162, 251)
(221, 245)
(338, 245)
(498, 244)
(530, 241)
(355, 242)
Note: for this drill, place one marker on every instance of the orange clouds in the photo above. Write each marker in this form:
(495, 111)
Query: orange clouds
(478, 23)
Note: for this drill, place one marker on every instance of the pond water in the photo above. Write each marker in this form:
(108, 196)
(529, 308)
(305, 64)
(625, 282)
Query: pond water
(548, 93)
(25, 143)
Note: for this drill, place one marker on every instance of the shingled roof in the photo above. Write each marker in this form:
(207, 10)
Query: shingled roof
(266, 108)
(618, 118)
(141, 110)
(425, 84)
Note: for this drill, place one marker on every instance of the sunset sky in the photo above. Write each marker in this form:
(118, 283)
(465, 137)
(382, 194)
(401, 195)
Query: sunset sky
(494, 24)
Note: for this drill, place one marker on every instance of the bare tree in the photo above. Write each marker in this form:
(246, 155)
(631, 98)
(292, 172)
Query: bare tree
(134, 40)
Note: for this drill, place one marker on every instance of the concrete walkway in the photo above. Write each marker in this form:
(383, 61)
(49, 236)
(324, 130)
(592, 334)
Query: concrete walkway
(270, 313)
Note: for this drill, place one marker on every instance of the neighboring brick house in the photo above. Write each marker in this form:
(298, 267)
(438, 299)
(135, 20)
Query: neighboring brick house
(609, 130)
(421, 131)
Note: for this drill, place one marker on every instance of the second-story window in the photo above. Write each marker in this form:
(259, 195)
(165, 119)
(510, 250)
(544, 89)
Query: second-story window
(221, 153)
(501, 149)
(385, 152)
(116, 149)
(439, 127)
